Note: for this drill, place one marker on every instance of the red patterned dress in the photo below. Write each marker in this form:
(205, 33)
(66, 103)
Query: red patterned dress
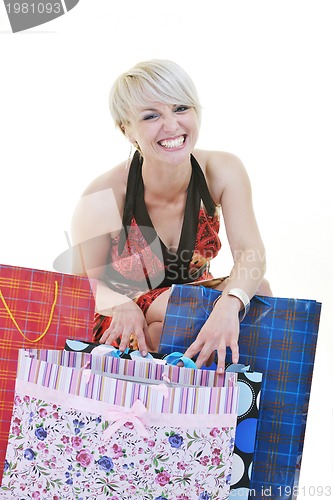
(140, 265)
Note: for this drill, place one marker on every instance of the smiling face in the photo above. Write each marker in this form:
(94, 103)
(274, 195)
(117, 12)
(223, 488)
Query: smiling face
(164, 132)
(156, 105)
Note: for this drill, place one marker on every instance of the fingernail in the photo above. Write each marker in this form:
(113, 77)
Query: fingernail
(143, 353)
(220, 370)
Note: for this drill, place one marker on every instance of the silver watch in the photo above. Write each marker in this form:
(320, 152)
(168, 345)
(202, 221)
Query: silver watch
(244, 298)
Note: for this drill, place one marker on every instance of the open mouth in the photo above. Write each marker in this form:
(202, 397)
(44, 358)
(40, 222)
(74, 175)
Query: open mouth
(173, 143)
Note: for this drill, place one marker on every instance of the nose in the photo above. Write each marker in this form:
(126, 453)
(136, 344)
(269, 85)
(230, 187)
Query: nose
(170, 123)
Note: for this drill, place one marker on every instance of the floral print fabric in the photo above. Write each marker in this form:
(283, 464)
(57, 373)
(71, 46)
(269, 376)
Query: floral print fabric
(56, 453)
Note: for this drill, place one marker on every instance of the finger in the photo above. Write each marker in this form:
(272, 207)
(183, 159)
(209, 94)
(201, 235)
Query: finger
(109, 335)
(113, 333)
(204, 356)
(112, 338)
(221, 352)
(141, 338)
(234, 352)
(124, 342)
(193, 349)
(106, 335)
(199, 362)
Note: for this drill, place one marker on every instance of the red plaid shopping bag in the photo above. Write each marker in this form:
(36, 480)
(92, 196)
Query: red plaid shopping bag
(37, 308)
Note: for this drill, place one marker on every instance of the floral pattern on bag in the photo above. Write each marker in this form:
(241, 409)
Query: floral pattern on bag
(57, 454)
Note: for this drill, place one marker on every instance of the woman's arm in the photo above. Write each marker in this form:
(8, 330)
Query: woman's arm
(231, 186)
(96, 219)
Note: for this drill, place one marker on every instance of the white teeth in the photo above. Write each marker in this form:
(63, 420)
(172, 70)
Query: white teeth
(174, 143)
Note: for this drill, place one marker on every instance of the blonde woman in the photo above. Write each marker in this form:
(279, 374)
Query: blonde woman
(154, 221)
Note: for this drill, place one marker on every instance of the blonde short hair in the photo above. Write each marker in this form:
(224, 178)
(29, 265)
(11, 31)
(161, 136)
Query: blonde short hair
(156, 80)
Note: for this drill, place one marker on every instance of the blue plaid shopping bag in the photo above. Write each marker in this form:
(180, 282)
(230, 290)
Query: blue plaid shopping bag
(278, 338)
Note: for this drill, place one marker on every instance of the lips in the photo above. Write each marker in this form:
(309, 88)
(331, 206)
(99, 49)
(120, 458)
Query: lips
(173, 143)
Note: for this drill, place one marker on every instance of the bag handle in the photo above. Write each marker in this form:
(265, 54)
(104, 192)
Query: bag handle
(261, 299)
(49, 321)
(176, 357)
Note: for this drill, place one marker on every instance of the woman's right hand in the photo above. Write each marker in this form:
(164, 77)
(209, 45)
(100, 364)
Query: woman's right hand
(127, 319)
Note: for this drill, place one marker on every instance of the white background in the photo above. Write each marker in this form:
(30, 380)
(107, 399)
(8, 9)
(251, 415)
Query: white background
(263, 70)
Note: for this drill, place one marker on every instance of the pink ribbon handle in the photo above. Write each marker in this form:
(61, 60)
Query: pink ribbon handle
(162, 388)
(136, 415)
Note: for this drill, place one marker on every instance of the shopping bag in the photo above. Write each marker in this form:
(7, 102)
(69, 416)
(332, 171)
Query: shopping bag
(107, 437)
(37, 308)
(109, 350)
(152, 371)
(249, 384)
(105, 359)
(278, 338)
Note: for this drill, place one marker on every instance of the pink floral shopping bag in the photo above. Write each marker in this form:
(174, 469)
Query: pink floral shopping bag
(78, 434)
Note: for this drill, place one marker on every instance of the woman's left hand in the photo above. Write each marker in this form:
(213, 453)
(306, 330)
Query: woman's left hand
(220, 331)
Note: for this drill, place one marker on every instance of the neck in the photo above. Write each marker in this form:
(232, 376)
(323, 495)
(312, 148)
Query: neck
(165, 180)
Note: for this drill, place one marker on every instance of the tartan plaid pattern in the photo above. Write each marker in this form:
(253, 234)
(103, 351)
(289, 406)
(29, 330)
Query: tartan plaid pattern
(29, 294)
(278, 338)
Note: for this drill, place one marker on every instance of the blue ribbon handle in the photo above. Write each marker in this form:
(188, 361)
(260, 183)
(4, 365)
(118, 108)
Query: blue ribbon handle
(176, 357)
(117, 353)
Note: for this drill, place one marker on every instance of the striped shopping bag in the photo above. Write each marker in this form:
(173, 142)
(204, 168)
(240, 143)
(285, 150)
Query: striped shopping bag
(107, 435)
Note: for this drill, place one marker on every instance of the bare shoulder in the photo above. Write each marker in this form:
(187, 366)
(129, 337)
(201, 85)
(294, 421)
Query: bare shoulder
(221, 169)
(115, 178)
(215, 162)
(99, 210)
(110, 185)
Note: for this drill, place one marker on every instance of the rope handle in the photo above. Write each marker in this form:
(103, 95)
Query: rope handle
(49, 321)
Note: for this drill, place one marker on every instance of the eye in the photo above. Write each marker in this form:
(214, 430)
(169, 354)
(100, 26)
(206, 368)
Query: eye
(181, 109)
(150, 116)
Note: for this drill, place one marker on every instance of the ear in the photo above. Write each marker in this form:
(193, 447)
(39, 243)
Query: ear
(125, 130)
